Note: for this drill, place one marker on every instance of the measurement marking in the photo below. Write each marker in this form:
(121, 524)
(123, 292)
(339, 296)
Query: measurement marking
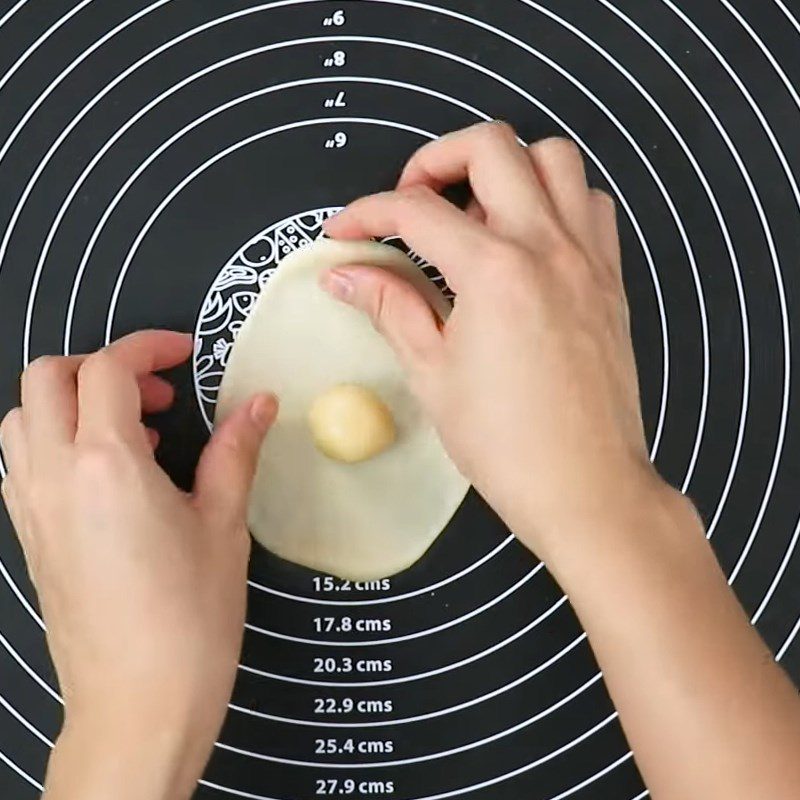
(422, 675)
(335, 20)
(348, 786)
(336, 102)
(348, 625)
(338, 59)
(362, 666)
(330, 705)
(338, 141)
(353, 746)
(328, 583)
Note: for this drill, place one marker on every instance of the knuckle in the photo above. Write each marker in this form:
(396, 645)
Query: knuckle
(42, 367)
(97, 362)
(603, 198)
(11, 419)
(559, 146)
(499, 132)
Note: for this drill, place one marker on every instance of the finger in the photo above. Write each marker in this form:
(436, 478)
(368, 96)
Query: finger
(561, 170)
(12, 440)
(604, 215)
(395, 308)
(157, 394)
(49, 400)
(493, 160)
(419, 216)
(109, 399)
(152, 350)
(228, 463)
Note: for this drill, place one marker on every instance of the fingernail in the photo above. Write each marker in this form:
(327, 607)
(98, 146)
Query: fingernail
(263, 411)
(338, 284)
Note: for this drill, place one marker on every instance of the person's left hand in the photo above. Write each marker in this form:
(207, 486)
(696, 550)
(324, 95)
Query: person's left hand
(142, 587)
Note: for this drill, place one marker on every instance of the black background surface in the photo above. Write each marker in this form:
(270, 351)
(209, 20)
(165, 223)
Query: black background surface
(493, 688)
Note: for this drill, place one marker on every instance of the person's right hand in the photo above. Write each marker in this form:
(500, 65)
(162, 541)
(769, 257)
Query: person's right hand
(532, 381)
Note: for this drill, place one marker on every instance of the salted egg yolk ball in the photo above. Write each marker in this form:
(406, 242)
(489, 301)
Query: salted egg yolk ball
(350, 423)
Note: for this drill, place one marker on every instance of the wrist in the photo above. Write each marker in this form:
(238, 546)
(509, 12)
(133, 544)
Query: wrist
(642, 513)
(152, 753)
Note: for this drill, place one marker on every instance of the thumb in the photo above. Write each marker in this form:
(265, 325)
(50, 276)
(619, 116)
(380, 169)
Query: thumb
(228, 463)
(397, 310)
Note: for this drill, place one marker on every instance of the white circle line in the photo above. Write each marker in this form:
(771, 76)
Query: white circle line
(789, 641)
(765, 600)
(19, 771)
(65, 73)
(754, 194)
(11, 11)
(522, 770)
(778, 277)
(6, 77)
(32, 673)
(773, 587)
(107, 89)
(743, 313)
(177, 136)
(421, 675)
(473, 701)
(12, 583)
(29, 726)
(394, 598)
(788, 14)
(407, 637)
(491, 782)
(432, 756)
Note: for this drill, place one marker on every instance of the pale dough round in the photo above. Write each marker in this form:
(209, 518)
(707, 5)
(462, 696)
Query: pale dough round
(359, 521)
(350, 423)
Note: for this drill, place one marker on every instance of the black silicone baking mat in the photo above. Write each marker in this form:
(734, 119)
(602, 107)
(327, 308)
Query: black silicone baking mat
(157, 158)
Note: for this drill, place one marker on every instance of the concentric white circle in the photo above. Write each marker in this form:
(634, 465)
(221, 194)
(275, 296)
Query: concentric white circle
(696, 164)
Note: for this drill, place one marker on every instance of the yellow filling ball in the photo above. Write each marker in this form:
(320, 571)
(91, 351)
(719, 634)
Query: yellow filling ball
(350, 423)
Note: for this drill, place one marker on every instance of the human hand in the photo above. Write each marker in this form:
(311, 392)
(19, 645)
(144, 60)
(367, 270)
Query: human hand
(532, 381)
(142, 587)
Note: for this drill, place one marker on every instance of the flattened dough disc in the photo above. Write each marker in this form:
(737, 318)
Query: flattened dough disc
(356, 521)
